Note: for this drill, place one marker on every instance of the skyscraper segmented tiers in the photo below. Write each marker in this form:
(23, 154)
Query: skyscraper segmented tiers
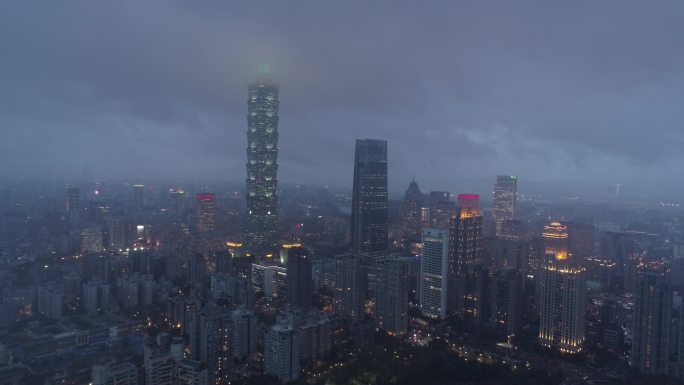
(260, 237)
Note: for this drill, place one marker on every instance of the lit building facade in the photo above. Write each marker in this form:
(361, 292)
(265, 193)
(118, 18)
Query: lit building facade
(562, 295)
(348, 294)
(465, 248)
(206, 212)
(434, 264)
(505, 200)
(260, 236)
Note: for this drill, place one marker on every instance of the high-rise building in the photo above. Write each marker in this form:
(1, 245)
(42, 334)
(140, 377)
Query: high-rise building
(281, 352)
(299, 291)
(562, 295)
(177, 201)
(441, 209)
(505, 200)
(411, 211)
(465, 248)
(206, 212)
(434, 267)
(261, 225)
(506, 300)
(138, 195)
(73, 203)
(653, 339)
(556, 244)
(369, 218)
(244, 333)
(348, 292)
(580, 239)
(391, 302)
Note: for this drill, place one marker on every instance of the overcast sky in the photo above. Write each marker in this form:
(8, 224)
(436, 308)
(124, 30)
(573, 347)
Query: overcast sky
(591, 91)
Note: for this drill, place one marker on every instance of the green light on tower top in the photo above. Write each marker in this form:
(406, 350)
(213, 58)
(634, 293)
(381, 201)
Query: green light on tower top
(265, 69)
(514, 177)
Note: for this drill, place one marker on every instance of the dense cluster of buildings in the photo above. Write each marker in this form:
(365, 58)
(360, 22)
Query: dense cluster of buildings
(179, 285)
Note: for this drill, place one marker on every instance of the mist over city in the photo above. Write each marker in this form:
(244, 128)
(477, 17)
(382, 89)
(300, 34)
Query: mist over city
(390, 192)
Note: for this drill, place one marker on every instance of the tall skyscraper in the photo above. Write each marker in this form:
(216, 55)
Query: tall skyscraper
(206, 212)
(411, 211)
(177, 201)
(505, 200)
(261, 225)
(299, 290)
(441, 209)
(653, 340)
(138, 194)
(73, 203)
(506, 300)
(369, 221)
(391, 285)
(562, 295)
(434, 267)
(349, 294)
(465, 248)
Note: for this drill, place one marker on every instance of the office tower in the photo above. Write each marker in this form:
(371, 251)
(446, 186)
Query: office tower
(281, 352)
(299, 288)
(505, 200)
(261, 225)
(411, 211)
(191, 372)
(652, 340)
(206, 212)
(476, 293)
(158, 367)
(465, 248)
(244, 333)
(602, 271)
(580, 239)
(555, 242)
(73, 203)
(562, 287)
(138, 194)
(111, 373)
(441, 209)
(348, 293)
(391, 302)
(177, 201)
(434, 267)
(506, 300)
(91, 239)
(369, 218)
(117, 235)
(269, 279)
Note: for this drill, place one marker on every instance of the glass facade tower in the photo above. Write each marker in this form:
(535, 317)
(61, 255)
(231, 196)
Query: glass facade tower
(261, 225)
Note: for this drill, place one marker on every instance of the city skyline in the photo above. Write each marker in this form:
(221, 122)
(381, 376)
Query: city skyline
(508, 108)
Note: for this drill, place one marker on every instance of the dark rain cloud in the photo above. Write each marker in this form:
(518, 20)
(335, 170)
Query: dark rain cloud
(581, 90)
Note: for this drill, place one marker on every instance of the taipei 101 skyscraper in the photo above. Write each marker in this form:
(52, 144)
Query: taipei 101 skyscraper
(260, 237)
